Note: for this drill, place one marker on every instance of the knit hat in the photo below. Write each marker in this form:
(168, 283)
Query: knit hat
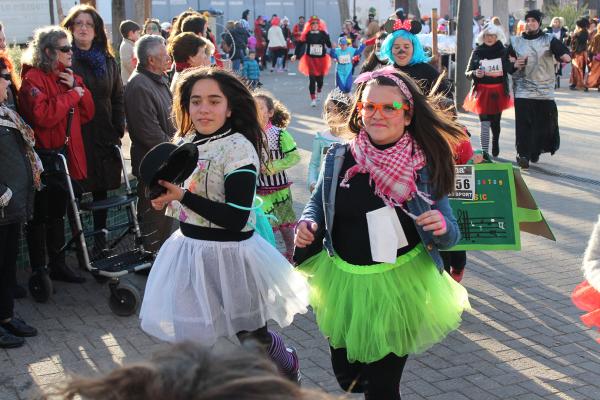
(535, 14)
(128, 26)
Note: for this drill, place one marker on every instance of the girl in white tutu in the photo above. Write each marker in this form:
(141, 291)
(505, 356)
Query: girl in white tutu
(215, 277)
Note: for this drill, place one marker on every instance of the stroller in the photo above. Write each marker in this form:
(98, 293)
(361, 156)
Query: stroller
(122, 246)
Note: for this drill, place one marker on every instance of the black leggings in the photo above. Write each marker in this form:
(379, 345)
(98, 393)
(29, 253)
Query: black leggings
(315, 80)
(494, 121)
(9, 248)
(275, 54)
(377, 380)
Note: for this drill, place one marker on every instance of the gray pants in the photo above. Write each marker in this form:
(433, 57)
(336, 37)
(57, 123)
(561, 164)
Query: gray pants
(156, 227)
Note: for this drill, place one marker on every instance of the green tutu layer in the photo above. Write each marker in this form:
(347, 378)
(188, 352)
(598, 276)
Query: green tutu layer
(402, 308)
(280, 205)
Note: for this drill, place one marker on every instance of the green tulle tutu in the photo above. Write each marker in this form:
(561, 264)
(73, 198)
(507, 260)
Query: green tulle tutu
(402, 308)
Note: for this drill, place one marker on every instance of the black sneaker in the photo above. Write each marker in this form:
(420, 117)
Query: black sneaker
(573, 87)
(535, 158)
(523, 162)
(10, 341)
(18, 327)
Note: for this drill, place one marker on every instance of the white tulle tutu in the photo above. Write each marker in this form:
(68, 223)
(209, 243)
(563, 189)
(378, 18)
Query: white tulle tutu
(202, 290)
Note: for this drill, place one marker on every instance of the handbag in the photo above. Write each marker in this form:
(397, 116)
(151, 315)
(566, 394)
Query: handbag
(262, 225)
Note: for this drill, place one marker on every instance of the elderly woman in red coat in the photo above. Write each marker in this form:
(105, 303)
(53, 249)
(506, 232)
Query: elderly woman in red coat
(49, 90)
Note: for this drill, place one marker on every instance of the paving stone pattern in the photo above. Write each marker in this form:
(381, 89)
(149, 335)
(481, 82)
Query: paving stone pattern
(521, 340)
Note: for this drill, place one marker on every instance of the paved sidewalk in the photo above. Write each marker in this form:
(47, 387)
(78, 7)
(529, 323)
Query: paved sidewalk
(521, 340)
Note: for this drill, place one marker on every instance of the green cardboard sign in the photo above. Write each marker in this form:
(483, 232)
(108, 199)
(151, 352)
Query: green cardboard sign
(502, 207)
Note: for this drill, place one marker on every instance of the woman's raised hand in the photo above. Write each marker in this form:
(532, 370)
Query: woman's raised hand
(305, 233)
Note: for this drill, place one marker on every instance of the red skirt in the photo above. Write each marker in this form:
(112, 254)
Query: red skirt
(316, 66)
(586, 298)
(488, 99)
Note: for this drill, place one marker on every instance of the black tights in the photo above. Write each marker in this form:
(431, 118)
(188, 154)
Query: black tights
(377, 380)
(315, 80)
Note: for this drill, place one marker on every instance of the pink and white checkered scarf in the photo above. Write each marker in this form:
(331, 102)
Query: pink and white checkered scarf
(393, 170)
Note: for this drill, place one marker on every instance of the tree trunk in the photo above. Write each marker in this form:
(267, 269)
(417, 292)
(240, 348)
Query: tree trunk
(138, 11)
(464, 40)
(59, 11)
(500, 10)
(344, 11)
(118, 15)
(402, 3)
(413, 8)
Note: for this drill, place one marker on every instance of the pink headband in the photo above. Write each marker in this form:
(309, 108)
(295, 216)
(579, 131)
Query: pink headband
(388, 72)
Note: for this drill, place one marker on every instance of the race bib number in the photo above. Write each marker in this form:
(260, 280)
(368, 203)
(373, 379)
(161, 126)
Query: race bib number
(344, 59)
(464, 183)
(315, 50)
(492, 67)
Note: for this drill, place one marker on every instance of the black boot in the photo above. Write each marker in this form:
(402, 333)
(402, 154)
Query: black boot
(495, 143)
(59, 270)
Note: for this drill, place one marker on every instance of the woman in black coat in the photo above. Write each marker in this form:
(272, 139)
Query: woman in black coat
(19, 176)
(488, 69)
(94, 62)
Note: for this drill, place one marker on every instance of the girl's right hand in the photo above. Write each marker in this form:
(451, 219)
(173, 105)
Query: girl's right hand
(305, 233)
(479, 73)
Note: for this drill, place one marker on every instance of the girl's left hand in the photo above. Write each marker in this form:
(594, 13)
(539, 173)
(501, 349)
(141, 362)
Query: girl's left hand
(174, 192)
(432, 220)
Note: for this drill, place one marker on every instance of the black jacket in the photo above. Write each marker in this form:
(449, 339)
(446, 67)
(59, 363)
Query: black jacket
(106, 129)
(484, 52)
(16, 174)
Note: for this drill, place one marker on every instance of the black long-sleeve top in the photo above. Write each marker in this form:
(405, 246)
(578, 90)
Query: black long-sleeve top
(350, 233)
(319, 41)
(484, 52)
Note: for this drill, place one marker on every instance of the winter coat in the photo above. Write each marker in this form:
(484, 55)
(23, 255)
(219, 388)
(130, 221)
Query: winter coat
(16, 175)
(148, 104)
(106, 129)
(44, 103)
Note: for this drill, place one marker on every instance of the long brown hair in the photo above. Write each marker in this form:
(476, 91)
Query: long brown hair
(281, 116)
(188, 371)
(176, 28)
(100, 39)
(244, 115)
(431, 127)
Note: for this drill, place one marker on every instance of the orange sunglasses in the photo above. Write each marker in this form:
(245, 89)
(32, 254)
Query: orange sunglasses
(387, 110)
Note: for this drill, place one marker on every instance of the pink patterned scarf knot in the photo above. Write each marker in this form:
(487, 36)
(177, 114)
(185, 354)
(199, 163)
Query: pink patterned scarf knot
(393, 170)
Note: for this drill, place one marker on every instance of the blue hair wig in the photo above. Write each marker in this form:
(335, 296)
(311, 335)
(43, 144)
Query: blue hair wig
(418, 56)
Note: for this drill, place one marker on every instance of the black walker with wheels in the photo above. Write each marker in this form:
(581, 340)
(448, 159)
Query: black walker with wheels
(120, 255)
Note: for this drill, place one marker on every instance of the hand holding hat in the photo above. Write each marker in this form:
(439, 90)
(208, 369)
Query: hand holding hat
(174, 192)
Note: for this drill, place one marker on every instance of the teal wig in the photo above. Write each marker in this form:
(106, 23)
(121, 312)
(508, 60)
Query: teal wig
(418, 56)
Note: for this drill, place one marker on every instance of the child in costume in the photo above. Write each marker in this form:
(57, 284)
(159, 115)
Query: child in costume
(215, 277)
(586, 295)
(490, 95)
(312, 52)
(273, 182)
(251, 70)
(345, 56)
(336, 111)
(378, 286)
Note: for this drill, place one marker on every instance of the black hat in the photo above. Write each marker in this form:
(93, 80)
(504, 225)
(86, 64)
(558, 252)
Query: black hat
(535, 14)
(167, 162)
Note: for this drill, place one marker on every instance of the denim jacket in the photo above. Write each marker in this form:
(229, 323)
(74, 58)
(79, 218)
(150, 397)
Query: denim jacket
(321, 208)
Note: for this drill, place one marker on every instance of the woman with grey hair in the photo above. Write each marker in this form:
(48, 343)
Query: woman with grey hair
(55, 102)
(490, 95)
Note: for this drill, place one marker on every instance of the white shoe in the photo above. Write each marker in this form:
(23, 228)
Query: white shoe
(319, 97)
(313, 103)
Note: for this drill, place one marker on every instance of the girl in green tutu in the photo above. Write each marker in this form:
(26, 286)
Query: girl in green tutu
(370, 236)
(273, 182)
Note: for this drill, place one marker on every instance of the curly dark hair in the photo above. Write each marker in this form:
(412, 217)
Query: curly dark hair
(281, 116)
(431, 126)
(244, 115)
